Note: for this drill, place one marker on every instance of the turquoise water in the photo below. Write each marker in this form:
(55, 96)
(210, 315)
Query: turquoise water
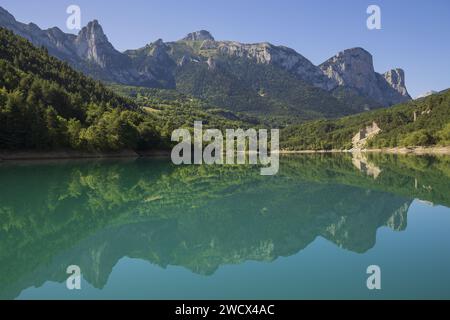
(145, 229)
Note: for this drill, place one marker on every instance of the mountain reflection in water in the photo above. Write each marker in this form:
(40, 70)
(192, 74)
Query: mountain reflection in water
(94, 213)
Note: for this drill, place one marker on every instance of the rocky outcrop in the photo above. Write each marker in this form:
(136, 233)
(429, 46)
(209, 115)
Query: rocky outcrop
(360, 139)
(93, 45)
(280, 56)
(201, 35)
(396, 80)
(353, 68)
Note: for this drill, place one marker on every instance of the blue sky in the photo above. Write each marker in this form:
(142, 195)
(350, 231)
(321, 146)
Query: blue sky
(414, 36)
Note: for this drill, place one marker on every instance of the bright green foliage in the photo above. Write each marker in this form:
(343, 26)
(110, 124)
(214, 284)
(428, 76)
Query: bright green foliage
(44, 104)
(424, 122)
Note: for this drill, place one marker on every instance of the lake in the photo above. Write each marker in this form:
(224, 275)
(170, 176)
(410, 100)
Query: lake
(146, 229)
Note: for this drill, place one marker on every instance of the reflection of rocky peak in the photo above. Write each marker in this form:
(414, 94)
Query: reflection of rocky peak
(399, 220)
(168, 236)
(158, 210)
(175, 242)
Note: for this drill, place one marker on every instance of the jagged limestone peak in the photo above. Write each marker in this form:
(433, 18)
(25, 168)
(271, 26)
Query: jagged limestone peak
(201, 35)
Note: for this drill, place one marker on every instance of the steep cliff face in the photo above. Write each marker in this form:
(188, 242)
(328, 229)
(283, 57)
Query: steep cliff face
(349, 77)
(282, 57)
(93, 47)
(396, 79)
(353, 68)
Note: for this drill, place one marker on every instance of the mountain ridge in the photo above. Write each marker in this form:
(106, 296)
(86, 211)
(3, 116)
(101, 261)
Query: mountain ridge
(199, 65)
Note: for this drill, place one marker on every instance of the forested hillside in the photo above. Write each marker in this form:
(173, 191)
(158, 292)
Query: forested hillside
(44, 104)
(424, 122)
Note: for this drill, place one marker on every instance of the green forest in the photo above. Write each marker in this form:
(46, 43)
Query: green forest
(45, 104)
(424, 122)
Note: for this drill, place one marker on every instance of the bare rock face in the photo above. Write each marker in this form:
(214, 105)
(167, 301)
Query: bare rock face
(364, 135)
(353, 68)
(201, 35)
(93, 45)
(396, 79)
(283, 57)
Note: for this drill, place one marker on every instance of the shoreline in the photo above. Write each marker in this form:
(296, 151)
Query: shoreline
(397, 150)
(75, 155)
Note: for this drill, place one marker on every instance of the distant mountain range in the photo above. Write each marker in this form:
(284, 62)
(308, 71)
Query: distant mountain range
(427, 94)
(258, 78)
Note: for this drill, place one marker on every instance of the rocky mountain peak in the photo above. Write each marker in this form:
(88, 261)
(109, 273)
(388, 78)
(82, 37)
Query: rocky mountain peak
(201, 35)
(93, 32)
(158, 42)
(356, 52)
(396, 79)
(353, 68)
(158, 50)
(92, 44)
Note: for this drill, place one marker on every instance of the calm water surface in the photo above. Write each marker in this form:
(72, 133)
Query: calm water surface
(146, 229)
